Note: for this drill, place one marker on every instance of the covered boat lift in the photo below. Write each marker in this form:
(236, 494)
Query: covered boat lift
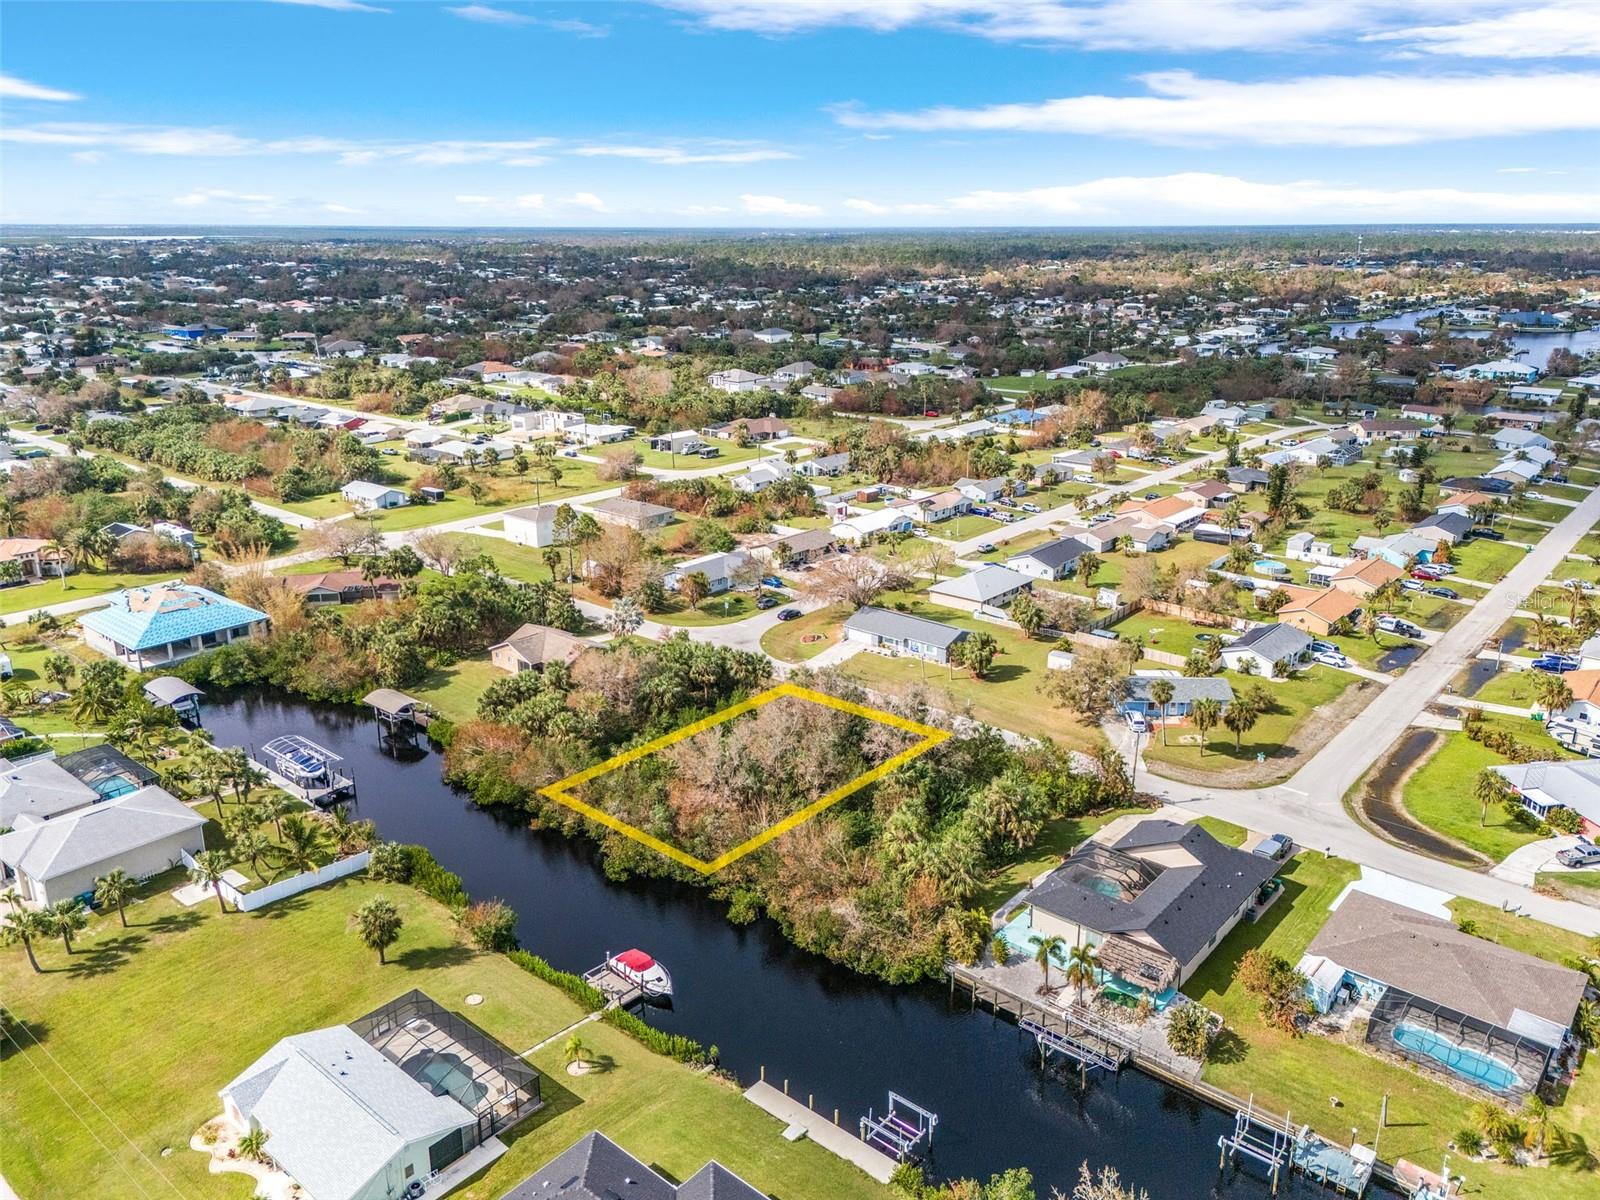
(302, 768)
(181, 696)
(400, 717)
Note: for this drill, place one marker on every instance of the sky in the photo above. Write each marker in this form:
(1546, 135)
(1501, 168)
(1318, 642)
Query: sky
(800, 113)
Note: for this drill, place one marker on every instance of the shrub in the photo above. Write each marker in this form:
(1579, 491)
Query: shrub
(1564, 820)
(672, 1045)
(429, 878)
(1280, 988)
(489, 924)
(390, 863)
(1189, 1031)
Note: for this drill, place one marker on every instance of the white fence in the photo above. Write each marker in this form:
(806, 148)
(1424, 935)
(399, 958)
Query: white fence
(293, 886)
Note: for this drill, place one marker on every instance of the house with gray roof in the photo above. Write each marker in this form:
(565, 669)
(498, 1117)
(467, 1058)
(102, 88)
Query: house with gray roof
(1569, 783)
(1442, 996)
(1153, 904)
(1264, 647)
(991, 587)
(596, 1168)
(144, 833)
(825, 464)
(891, 632)
(1053, 560)
(41, 788)
(1450, 527)
(1136, 698)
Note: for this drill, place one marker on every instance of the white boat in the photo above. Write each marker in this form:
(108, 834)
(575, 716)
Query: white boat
(644, 972)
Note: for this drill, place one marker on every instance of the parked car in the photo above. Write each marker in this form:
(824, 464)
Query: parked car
(1555, 664)
(1410, 585)
(1099, 519)
(1425, 572)
(1137, 723)
(1442, 568)
(1444, 593)
(1289, 442)
(1166, 460)
(1321, 647)
(981, 510)
(1584, 586)
(788, 614)
(771, 581)
(1559, 479)
(1331, 658)
(987, 548)
(1391, 624)
(1584, 854)
(1152, 495)
(1031, 508)
(388, 450)
(1110, 635)
(767, 600)
(1275, 847)
(569, 454)
(1488, 535)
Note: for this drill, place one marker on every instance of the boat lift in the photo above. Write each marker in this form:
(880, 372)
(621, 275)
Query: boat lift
(1267, 1139)
(903, 1132)
(302, 768)
(1084, 1047)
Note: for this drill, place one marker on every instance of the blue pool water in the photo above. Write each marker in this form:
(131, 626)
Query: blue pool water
(1106, 887)
(1472, 1066)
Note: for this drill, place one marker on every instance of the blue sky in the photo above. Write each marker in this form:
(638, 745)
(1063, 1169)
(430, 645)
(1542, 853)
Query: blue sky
(852, 113)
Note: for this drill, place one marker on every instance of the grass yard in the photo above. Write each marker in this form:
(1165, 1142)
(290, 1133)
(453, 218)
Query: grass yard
(503, 490)
(1173, 635)
(1485, 560)
(1225, 832)
(28, 655)
(1439, 793)
(1299, 1075)
(454, 690)
(731, 452)
(787, 639)
(715, 610)
(80, 585)
(1275, 733)
(90, 1107)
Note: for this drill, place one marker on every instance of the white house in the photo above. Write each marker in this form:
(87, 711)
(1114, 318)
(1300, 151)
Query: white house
(590, 434)
(1264, 647)
(1518, 439)
(772, 337)
(362, 495)
(990, 587)
(719, 570)
(533, 525)
(345, 1122)
(859, 526)
(1500, 368)
(541, 422)
(144, 833)
(896, 633)
(1102, 361)
(762, 476)
(737, 380)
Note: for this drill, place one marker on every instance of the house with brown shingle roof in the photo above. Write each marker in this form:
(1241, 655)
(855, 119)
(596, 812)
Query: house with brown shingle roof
(1319, 613)
(534, 647)
(1365, 576)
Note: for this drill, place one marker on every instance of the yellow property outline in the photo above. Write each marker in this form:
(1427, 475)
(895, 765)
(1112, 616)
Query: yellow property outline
(561, 792)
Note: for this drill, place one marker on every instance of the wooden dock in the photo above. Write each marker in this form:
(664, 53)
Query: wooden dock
(618, 991)
(797, 1117)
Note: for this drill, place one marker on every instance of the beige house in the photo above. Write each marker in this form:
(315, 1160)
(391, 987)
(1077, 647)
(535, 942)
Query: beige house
(533, 647)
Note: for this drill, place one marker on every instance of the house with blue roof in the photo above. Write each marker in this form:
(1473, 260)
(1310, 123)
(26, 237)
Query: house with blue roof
(150, 626)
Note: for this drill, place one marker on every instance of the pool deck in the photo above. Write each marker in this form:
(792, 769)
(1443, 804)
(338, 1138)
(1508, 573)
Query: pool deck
(819, 1129)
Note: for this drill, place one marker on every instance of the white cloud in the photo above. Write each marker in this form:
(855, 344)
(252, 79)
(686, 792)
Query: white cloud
(489, 16)
(702, 210)
(343, 210)
(1360, 110)
(1511, 28)
(196, 142)
(777, 206)
(679, 156)
(587, 200)
(475, 200)
(336, 5)
(1547, 31)
(88, 156)
(13, 88)
(1225, 198)
(870, 207)
(207, 196)
(529, 200)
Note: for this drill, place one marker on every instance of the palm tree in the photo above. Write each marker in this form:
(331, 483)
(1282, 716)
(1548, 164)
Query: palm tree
(252, 846)
(1487, 788)
(21, 927)
(275, 807)
(1047, 948)
(574, 1050)
(209, 868)
(1552, 692)
(304, 843)
(1162, 691)
(116, 888)
(1536, 1117)
(1205, 714)
(1081, 967)
(211, 777)
(377, 923)
(253, 1145)
(65, 918)
(1576, 597)
(1239, 719)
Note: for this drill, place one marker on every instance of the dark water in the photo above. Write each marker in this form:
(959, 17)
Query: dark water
(1533, 345)
(838, 1036)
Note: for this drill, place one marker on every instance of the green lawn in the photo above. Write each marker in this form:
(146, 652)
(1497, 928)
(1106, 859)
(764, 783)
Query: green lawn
(786, 639)
(1173, 635)
(1225, 832)
(1296, 700)
(715, 610)
(1439, 793)
(505, 489)
(80, 585)
(731, 452)
(454, 690)
(1485, 560)
(127, 1042)
(28, 655)
(1300, 1076)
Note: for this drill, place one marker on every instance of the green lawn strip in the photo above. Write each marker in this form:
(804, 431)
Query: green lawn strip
(1521, 933)
(730, 452)
(1296, 700)
(1056, 840)
(716, 610)
(1439, 794)
(1172, 635)
(1545, 510)
(1008, 547)
(786, 639)
(228, 987)
(1509, 687)
(1225, 832)
(1485, 560)
(454, 690)
(1588, 880)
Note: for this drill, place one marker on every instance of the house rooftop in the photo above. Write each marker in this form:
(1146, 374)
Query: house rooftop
(1273, 642)
(146, 617)
(1432, 959)
(88, 836)
(596, 1168)
(40, 788)
(884, 622)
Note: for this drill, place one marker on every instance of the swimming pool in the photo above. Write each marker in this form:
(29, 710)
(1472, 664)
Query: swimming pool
(446, 1074)
(1266, 566)
(1471, 1065)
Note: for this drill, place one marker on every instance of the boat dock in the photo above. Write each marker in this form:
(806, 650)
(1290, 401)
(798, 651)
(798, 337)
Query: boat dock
(800, 1121)
(305, 770)
(619, 992)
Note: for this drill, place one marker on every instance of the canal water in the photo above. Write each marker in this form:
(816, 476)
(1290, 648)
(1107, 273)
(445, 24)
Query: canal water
(1534, 346)
(836, 1036)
